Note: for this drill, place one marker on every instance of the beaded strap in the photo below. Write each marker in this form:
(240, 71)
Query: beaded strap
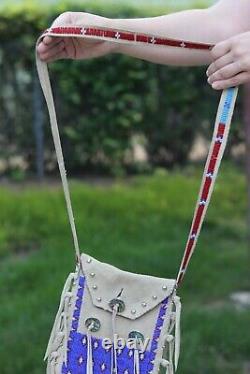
(221, 130)
(123, 36)
(217, 148)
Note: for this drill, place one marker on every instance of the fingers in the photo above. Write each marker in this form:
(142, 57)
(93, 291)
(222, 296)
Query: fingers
(221, 49)
(64, 49)
(231, 65)
(47, 53)
(70, 48)
(59, 56)
(47, 43)
(51, 49)
(226, 72)
(232, 82)
(48, 40)
(220, 63)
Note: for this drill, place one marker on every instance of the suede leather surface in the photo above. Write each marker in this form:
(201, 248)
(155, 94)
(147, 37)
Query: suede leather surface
(106, 282)
(140, 293)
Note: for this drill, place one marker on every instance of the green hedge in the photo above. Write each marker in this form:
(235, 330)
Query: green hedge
(102, 104)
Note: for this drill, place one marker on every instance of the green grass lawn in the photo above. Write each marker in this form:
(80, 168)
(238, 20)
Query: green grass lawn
(140, 226)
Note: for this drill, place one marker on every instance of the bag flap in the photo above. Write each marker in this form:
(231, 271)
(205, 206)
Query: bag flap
(139, 293)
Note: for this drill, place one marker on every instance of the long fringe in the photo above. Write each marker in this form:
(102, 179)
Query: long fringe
(173, 341)
(59, 333)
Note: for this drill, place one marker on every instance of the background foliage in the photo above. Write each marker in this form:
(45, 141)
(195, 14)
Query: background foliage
(102, 104)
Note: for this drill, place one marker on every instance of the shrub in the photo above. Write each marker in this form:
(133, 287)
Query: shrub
(101, 103)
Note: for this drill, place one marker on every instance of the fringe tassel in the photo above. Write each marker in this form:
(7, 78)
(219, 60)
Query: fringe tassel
(173, 341)
(59, 330)
(89, 352)
(136, 361)
(114, 353)
(51, 367)
(177, 330)
(168, 366)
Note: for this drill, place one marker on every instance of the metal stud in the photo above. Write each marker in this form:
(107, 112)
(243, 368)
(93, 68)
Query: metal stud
(133, 311)
(95, 287)
(136, 335)
(93, 324)
(92, 275)
(89, 260)
(99, 299)
(120, 305)
(165, 288)
(144, 304)
(154, 297)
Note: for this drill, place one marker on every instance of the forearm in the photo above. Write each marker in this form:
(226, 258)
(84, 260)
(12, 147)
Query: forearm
(213, 25)
(194, 25)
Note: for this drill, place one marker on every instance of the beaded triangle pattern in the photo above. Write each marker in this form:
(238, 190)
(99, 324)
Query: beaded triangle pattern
(77, 346)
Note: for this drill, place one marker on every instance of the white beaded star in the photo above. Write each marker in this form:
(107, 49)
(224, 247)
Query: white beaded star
(103, 367)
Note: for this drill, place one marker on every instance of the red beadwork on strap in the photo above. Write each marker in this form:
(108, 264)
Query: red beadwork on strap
(198, 218)
(127, 36)
(142, 38)
(65, 30)
(206, 188)
(109, 34)
(221, 129)
(216, 150)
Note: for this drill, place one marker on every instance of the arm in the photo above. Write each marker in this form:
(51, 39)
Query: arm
(226, 18)
(210, 25)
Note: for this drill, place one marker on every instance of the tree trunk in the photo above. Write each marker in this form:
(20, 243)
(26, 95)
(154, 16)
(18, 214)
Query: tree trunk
(38, 127)
(246, 114)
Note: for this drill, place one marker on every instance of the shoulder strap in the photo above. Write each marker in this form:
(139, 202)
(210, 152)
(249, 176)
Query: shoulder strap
(216, 152)
(221, 131)
(43, 74)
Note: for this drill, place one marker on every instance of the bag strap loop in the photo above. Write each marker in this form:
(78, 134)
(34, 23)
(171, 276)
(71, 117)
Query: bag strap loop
(220, 136)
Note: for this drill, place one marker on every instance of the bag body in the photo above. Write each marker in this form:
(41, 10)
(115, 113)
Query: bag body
(111, 321)
(135, 339)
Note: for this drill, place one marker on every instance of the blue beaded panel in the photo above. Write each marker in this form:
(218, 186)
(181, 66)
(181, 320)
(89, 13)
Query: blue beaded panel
(77, 346)
(227, 105)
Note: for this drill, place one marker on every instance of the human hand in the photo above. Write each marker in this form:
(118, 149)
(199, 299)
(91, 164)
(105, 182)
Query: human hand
(231, 66)
(56, 48)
